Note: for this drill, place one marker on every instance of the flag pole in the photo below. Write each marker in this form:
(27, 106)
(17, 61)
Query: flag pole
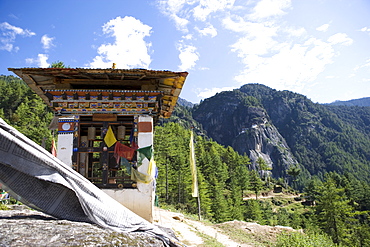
(195, 190)
(198, 200)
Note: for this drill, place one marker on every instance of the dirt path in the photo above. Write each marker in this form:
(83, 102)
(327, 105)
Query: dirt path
(175, 221)
(270, 195)
(215, 233)
(186, 229)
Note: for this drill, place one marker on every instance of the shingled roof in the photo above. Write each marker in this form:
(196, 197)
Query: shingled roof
(41, 80)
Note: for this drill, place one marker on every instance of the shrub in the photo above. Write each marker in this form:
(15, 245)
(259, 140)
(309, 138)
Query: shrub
(295, 239)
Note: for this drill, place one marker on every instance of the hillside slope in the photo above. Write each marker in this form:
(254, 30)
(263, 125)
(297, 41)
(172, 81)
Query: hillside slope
(285, 128)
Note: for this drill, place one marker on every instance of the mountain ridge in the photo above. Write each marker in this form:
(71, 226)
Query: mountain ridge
(288, 129)
(353, 102)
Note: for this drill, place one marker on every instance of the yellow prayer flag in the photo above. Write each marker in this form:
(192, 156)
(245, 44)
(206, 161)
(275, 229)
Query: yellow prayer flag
(109, 138)
(151, 167)
(140, 177)
(193, 167)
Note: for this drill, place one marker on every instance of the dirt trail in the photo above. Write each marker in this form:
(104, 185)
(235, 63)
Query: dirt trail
(185, 229)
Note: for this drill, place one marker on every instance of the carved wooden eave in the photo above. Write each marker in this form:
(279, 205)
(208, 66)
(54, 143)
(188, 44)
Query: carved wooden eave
(169, 84)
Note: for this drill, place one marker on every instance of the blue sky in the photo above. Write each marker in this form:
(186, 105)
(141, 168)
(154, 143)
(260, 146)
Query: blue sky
(318, 48)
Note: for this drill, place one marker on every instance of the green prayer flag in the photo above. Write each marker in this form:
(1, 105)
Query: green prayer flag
(147, 152)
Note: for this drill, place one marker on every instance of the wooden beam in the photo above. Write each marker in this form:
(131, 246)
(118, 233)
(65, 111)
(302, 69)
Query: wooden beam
(104, 82)
(33, 85)
(141, 77)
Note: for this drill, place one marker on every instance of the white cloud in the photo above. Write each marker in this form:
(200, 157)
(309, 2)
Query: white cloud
(209, 30)
(269, 8)
(323, 28)
(181, 23)
(13, 30)
(258, 38)
(129, 49)
(182, 11)
(289, 68)
(188, 56)
(340, 38)
(365, 29)
(296, 32)
(206, 7)
(365, 65)
(188, 36)
(209, 92)
(280, 56)
(9, 34)
(174, 8)
(250, 29)
(47, 41)
(40, 61)
(281, 65)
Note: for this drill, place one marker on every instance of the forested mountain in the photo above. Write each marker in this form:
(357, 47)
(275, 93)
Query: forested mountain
(354, 102)
(356, 116)
(285, 128)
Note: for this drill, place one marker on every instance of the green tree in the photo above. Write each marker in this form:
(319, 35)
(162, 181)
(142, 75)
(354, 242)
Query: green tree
(237, 182)
(32, 118)
(58, 64)
(313, 188)
(256, 183)
(253, 210)
(217, 176)
(283, 217)
(334, 214)
(263, 168)
(171, 153)
(294, 171)
(13, 91)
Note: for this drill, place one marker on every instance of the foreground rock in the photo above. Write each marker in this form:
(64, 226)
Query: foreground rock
(25, 227)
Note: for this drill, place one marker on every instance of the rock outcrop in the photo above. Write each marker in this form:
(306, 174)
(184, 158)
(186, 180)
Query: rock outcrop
(25, 227)
(235, 120)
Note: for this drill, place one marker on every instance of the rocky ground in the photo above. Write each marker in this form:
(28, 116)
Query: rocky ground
(24, 227)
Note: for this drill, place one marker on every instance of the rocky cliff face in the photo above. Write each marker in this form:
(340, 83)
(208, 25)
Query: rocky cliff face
(232, 119)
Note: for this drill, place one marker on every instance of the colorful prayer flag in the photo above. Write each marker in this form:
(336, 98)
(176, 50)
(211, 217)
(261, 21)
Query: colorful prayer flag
(109, 138)
(145, 152)
(140, 177)
(151, 167)
(53, 148)
(193, 167)
(124, 151)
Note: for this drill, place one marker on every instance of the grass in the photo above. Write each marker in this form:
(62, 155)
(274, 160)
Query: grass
(4, 207)
(209, 241)
(303, 240)
(240, 236)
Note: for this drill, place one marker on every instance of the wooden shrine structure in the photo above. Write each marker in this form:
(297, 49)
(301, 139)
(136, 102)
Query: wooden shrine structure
(89, 103)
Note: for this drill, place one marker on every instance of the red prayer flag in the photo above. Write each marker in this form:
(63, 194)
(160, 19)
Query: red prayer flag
(53, 148)
(124, 151)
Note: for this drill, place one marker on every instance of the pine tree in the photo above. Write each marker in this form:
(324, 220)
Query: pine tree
(333, 211)
(294, 171)
(253, 210)
(217, 178)
(256, 183)
(238, 181)
(263, 168)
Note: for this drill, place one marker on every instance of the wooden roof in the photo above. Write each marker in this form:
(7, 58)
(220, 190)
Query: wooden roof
(167, 82)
